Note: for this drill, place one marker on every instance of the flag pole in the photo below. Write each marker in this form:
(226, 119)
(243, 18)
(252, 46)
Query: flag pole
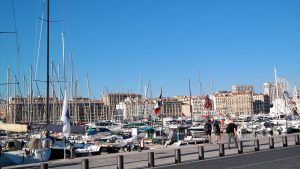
(162, 120)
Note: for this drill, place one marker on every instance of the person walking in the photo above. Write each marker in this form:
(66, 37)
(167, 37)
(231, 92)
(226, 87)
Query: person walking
(231, 130)
(207, 130)
(217, 131)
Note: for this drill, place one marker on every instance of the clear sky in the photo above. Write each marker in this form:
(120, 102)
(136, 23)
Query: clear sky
(166, 41)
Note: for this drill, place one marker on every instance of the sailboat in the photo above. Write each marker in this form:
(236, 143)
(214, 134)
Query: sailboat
(38, 151)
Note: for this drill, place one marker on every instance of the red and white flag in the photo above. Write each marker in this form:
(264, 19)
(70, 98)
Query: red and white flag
(158, 105)
(207, 103)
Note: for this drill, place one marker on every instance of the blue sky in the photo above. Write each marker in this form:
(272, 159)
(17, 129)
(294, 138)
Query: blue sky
(165, 41)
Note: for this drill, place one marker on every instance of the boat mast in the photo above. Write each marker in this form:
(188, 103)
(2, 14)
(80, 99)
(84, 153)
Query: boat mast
(276, 85)
(64, 60)
(15, 99)
(59, 88)
(75, 101)
(31, 93)
(89, 92)
(25, 108)
(53, 95)
(7, 100)
(48, 50)
(191, 111)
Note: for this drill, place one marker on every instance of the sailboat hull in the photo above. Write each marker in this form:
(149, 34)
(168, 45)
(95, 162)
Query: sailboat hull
(20, 157)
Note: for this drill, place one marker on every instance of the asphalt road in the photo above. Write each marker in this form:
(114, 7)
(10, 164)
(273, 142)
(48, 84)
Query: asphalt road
(281, 158)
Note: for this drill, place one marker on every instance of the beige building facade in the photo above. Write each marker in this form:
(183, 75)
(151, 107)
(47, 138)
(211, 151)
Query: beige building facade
(233, 103)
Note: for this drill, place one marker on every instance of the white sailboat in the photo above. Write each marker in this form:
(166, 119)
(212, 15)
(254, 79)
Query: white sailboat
(38, 152)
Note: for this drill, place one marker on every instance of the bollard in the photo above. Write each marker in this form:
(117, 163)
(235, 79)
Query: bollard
(201, 152)
(65, 154)
(221, 150)
(120, 162)
(284, 141)
(256, 145)
(296, 139)
(44, 166)
(72, 152)
(271, 143)
(240, 147)
(151, 159)
(85, 164)
(177, 156)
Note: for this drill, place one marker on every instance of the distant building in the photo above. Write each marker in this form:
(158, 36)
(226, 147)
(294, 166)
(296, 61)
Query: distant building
(23, 110)
(87, 110)
(2, 109)
(269, 89)
(233, 103)
(112, 99)
(186, 109)
(172, 107)
(261, 103)
(242, 88)
(134, 109)
(198, 107)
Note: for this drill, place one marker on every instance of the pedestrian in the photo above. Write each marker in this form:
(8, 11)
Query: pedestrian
(231, 130)
(217, 131)
(207, 130)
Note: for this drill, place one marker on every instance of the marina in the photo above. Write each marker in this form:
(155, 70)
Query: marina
(189, 154)
(83, 105)
(52, 145)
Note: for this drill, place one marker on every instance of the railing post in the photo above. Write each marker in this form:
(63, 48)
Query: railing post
(256, 145)
(85, 164)
(151, 159)
(201, 152)
(240, 147)
(44, 166)
(297, 139)
(221, 150)
(284, 141)
(271, 143)
(177, 156)
(120, 162)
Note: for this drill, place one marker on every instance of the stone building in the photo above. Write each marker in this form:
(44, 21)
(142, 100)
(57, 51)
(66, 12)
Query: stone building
(233, 103)
(110, 100)
(172, 107)
(242, 88)
(261, 103)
